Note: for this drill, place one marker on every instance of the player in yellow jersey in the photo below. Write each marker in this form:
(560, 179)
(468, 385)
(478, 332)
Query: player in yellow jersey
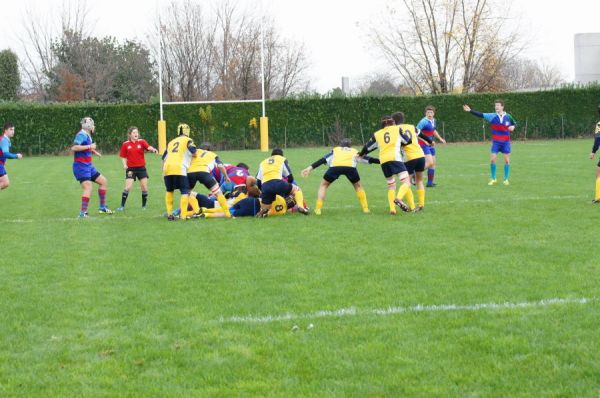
(594, 149)
(270, 179)
(389, 140)
(176, 160)
(342, 160)
(201, 165)
(414, 159)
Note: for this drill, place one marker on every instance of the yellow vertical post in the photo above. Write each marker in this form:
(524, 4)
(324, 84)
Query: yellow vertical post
(264, 134)
(162, 136)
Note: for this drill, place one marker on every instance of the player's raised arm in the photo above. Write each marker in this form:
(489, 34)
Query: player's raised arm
(467, 108)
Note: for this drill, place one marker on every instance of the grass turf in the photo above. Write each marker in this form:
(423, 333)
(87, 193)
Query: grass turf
(133, 305)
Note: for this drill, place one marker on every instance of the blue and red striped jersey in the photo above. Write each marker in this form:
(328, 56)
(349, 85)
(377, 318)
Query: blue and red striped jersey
(83, 138)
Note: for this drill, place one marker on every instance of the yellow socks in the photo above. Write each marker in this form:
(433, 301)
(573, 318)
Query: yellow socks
(169, 202)
(421, 197)
(391, 197)
(362, 199)
(183, 205)
(318, 207)
(299, 197)
(195, 204)
(404, 188)
(410, 199)
(597, 189)
(223, 202)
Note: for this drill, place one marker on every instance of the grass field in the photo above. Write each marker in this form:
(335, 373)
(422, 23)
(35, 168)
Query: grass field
(492, 291)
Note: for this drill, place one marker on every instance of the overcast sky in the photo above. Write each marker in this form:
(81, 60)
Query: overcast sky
(334, 31)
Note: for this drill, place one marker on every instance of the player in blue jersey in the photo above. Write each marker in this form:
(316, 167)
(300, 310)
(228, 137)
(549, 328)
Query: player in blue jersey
(594, 150)
(428, 127)
(83, 169)
(5, 153)
(501, 124)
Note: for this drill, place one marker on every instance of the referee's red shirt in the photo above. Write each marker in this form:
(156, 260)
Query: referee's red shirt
(134, 153)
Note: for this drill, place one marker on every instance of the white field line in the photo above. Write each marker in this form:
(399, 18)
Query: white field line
(352, 311)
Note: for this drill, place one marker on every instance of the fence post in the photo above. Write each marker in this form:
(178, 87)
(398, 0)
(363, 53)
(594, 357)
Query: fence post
(285, 137)
(483, 130)
(444, 130)
(323, 134)
(562, 127)
(362, 137)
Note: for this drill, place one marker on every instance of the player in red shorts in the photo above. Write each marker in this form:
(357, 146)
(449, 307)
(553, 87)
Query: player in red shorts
(132, 154)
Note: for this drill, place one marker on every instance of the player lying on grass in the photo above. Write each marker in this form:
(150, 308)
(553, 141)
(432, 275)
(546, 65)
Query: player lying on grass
(389, 140)
(414, 158)
(270, 179)
(250, 206)
(342, 161)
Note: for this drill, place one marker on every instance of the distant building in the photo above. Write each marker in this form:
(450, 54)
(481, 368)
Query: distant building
(587, 57)
(346, 85)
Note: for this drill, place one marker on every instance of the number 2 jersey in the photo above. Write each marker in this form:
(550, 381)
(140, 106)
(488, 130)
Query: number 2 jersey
(178, 156)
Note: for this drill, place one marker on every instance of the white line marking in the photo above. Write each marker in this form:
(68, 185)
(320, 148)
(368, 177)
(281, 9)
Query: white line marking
(352, 311)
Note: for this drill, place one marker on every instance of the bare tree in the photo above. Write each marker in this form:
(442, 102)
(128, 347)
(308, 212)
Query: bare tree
(41, 31)
(445, 45)
(526, 74)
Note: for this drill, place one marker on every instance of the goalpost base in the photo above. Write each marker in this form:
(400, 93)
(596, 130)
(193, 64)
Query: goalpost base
(264, 134)
(162, 136)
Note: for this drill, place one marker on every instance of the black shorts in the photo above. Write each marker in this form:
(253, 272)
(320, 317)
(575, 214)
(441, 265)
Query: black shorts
(417, 165)
(177, 182)
(333, 173)
(136, 173)
(272, 188)
(392, 168)
(203, 178)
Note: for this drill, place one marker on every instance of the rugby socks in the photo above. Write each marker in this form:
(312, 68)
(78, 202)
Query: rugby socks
(169, 203)
(421, 197)
(506, 171)
(362, 199)
(124, 196)
(299, 196)
(223, 202)
(597, 189)
(318, 206)
(391, 198)
(493, 170)
(430, 176)
(194, 203)
(85, 202)
(102, 195)
(183, 205)
(144, 199)
(404, 188)
(410, 199)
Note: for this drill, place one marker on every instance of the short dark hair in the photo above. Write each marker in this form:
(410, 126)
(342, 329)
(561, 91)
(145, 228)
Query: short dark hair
(430, 108)
(205, 146)
(499, 101)
(8, 125)
(346, 142)
(243, 166)
(277, 151)
(386, 120)
(398, 117)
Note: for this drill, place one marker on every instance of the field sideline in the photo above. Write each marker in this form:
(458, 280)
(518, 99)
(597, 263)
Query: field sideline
(492, 291)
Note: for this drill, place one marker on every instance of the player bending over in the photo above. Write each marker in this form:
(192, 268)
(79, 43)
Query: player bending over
(342, 160)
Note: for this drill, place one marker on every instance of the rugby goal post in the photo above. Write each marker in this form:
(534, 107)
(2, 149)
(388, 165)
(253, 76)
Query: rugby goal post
(162, 124)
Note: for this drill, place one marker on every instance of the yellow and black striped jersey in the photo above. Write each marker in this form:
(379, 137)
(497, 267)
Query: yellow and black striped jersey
(412, 150)
(389, 141)
(203, 161)
(278, 207)
(273, 168)
(178, 156)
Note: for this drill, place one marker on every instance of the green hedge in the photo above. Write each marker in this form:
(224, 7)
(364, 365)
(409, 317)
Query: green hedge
(49, 128)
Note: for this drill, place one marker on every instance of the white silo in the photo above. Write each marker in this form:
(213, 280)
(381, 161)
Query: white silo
(587, 57)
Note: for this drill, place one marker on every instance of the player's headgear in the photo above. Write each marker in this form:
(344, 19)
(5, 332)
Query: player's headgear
(387, 121)
(184, 129)
(87, 123)
(346, 142)
(290, 201)
(277, 151)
